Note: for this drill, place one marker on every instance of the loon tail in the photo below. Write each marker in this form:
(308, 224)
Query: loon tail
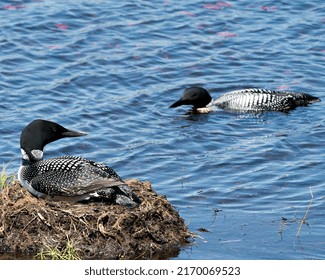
(120, 194)
(126, 197)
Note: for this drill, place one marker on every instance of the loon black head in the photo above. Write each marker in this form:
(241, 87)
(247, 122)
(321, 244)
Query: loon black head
(39, 133)
(196, 96)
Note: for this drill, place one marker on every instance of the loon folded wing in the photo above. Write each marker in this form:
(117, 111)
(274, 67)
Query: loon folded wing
(107, 189)
(263, 100)
(274, 102)
(81, 179)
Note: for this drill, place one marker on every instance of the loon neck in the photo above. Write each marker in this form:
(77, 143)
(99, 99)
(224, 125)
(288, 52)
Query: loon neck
(31, 156)
(25, 162)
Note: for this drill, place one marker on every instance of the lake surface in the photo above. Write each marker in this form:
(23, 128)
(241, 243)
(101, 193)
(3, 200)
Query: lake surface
(242, 182)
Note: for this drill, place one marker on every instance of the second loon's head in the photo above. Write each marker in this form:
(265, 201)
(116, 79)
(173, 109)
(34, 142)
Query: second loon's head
(196, 96)
(39, 133)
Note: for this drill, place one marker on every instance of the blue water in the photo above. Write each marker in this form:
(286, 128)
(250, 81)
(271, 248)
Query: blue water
(112, 68)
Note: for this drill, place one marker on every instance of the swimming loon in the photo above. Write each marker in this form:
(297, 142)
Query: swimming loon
(246, 100)
(69, 178)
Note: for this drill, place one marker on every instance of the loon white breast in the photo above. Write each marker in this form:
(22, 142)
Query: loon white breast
(69, 178)
(246, 100)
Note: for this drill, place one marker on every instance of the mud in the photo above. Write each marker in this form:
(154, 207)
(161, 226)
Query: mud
(154, 230)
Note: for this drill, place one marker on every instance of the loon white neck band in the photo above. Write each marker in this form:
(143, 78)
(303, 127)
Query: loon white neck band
(36, 154)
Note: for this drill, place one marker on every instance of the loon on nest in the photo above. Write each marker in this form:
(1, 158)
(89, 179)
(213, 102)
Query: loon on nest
(69, 178)
(246, 100)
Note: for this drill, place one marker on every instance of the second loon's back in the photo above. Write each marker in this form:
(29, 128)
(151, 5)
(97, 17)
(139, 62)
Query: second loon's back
(263, 100)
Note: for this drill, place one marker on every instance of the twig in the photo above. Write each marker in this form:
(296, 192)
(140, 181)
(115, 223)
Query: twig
(303, 221)
(282, 223)
(35, 217)
(43, 219)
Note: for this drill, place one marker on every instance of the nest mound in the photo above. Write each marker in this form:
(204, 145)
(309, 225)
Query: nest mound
(154, 230)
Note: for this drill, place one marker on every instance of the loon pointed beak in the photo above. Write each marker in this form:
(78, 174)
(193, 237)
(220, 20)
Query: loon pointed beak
(71, 133)
(177, 103)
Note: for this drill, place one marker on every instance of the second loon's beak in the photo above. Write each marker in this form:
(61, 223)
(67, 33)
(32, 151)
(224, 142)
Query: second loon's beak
(177, 103)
